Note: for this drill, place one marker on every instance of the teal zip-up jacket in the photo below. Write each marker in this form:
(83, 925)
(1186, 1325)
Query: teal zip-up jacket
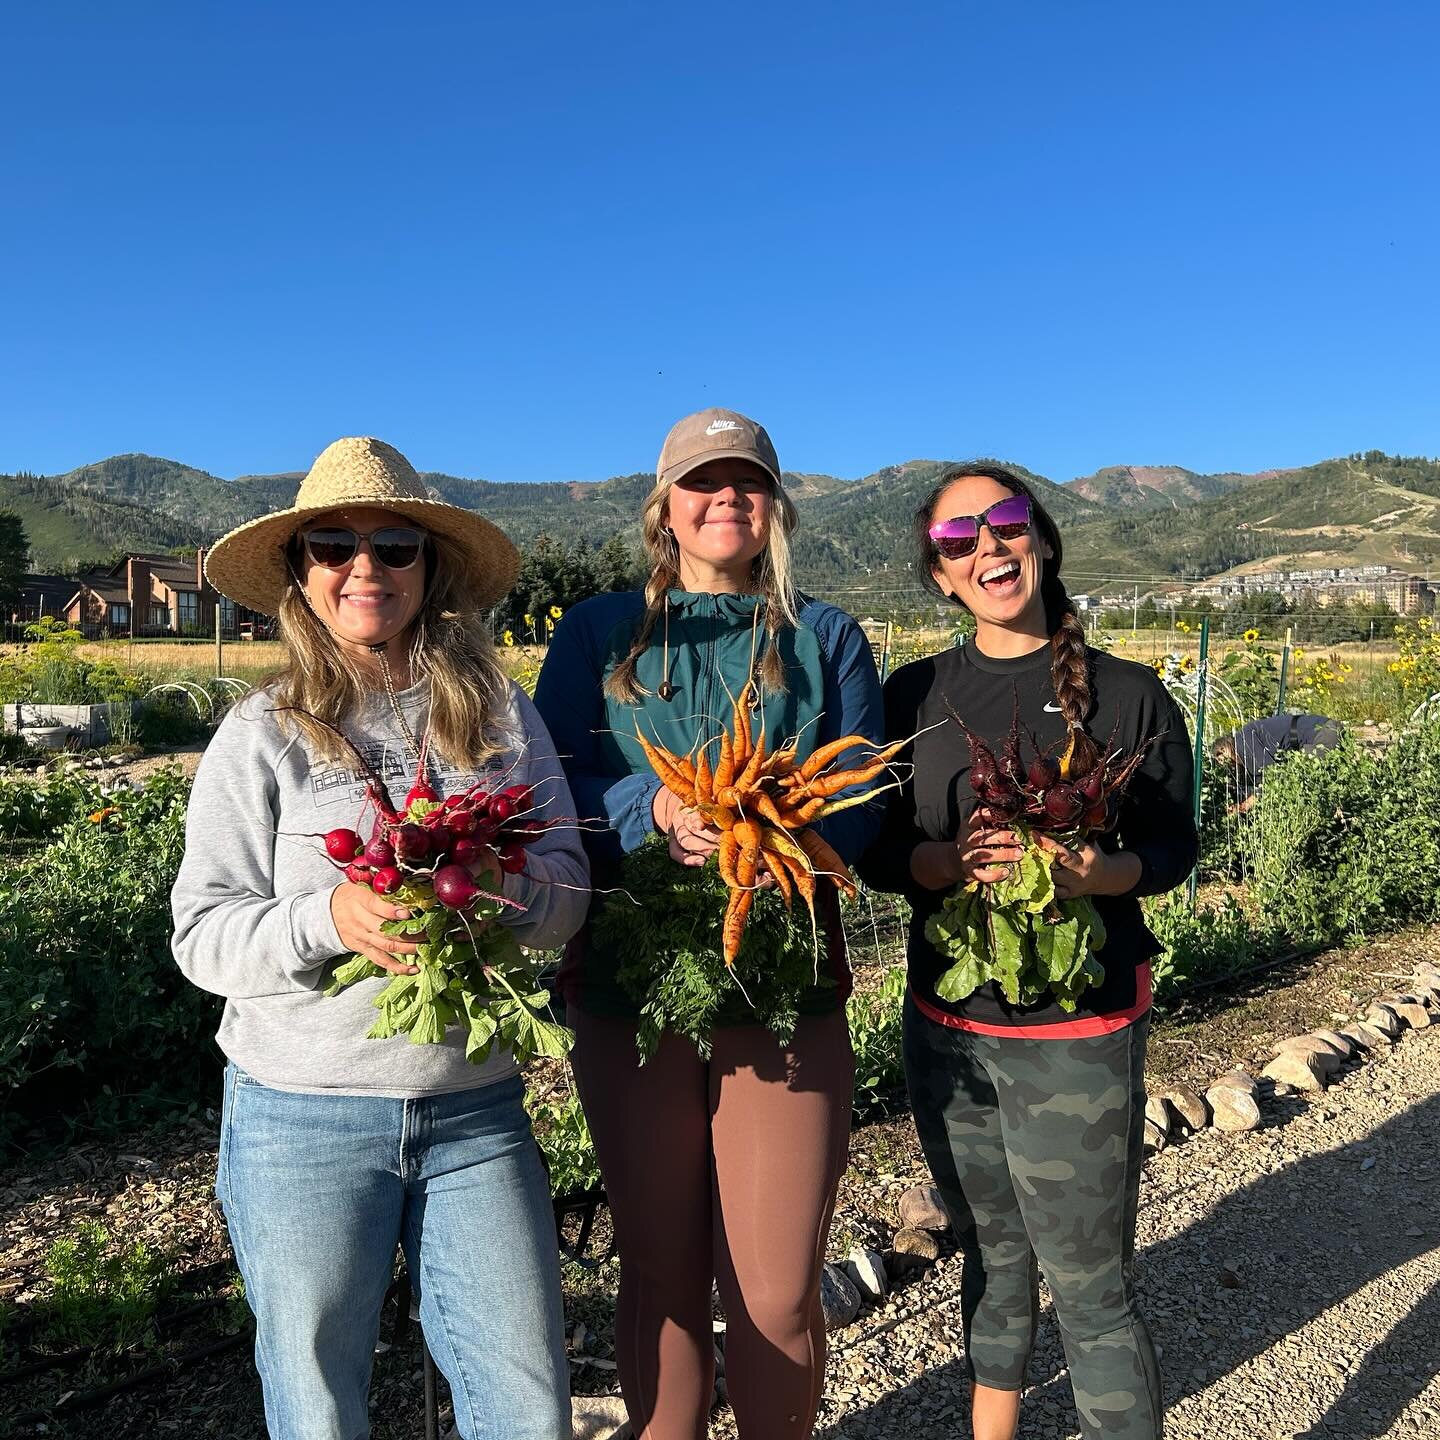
(831, 690)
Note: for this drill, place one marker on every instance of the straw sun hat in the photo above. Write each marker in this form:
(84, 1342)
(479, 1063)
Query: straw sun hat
(249, 563)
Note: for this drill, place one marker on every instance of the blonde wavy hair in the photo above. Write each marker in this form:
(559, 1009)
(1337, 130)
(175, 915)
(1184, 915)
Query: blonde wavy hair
(770, 578)
(451, 647)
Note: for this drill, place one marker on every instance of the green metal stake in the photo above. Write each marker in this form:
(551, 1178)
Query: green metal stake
(1284, 672)
(1199, 784)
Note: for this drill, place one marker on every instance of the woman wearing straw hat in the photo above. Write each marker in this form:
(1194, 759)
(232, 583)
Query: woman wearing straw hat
(723, 1169)
(334, 1147)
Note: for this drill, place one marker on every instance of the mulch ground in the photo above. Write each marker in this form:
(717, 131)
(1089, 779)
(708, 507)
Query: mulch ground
(155, 1186)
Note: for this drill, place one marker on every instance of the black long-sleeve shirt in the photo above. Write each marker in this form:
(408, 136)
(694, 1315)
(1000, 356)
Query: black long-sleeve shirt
(1155, 821)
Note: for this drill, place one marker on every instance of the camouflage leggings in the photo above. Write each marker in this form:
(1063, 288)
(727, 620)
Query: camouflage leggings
(1036, 1147)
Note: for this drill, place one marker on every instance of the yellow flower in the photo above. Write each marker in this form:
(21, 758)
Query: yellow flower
(1122, 641)
(1250, 636)
(1346, 669)
(1393, 667)
(100, 815)
(508, 637)
(556, 612)
(549, 624)
(1297, 652)
(1187, 663)
(529, 620)
(1183, 625)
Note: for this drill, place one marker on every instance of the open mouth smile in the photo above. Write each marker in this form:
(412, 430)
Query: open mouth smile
(1002, 579)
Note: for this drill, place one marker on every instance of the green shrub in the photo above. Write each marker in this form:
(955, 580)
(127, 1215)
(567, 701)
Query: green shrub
(874, 1020)
(90, 999)
(1201, 944)
(564, 1136)
(100, 1293)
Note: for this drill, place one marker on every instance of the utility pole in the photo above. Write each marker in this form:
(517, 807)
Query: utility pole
(1135, 612)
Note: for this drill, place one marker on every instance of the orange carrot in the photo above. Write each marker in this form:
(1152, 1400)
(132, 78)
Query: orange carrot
(725, 858)
(725, 770)
(734, 928)
(663, 764)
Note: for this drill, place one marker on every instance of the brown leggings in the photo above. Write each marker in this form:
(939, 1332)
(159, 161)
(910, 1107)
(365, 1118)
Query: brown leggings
(719, 1170)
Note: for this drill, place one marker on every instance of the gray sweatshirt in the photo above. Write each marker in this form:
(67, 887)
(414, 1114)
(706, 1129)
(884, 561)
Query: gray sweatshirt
(252, 900)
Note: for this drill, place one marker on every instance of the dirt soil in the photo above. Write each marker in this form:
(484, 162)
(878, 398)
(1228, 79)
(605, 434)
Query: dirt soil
(895, 1370)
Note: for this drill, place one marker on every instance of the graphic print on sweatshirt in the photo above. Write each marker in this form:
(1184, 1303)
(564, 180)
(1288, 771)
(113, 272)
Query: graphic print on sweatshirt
(335, 784)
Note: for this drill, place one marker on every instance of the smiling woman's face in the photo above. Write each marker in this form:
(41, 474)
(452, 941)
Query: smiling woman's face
(720, 514)
(999, 581)
(363, 603)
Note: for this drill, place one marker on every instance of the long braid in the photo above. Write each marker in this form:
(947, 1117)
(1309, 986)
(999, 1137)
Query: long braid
(1069, 663)
(622, 684)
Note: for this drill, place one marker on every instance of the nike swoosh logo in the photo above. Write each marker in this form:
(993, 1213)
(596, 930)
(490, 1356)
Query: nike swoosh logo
(1053, 709)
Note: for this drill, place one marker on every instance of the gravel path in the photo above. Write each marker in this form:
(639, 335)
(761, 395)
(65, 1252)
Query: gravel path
(1291, 1278)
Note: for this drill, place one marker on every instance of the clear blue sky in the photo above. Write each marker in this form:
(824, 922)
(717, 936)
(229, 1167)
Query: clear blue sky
(519, 241)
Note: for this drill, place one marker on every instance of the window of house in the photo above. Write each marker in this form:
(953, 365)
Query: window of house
(159, 616)
(227, 614)
(188, 609)
(120, 616)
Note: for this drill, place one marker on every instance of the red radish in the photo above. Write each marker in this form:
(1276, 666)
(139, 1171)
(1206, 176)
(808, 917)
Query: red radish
(461, 822)
(522, 797)
(386, 880)
(379, 852)
(419, 792)
(357, 874)
(512, 859)
(343, 845)
(466, 852)
(412, 843)
(502, 807)
(454, 888)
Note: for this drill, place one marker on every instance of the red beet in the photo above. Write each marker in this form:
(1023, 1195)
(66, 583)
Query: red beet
(386, 880)
(343, 845)
(1094, 817)
(1092, 787)
(512, 859)
(1042, 773)
(1062, 804)
(454, 888)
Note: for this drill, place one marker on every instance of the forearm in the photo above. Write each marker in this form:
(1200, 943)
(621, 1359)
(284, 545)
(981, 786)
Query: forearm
(935, 864)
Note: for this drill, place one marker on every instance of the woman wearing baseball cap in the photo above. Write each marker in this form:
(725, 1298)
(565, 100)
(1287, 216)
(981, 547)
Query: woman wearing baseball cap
(723, 1169)
(336, 1148)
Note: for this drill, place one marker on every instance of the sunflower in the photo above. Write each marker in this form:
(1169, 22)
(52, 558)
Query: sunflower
(508, 638)
(555, 612)
(1251, 636)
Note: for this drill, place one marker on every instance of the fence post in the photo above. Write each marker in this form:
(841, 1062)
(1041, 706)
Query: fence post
(219, 645)
(1203, 678)
(1284, 671)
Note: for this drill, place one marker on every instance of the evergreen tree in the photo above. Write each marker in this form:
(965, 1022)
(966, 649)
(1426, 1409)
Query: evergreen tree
(14, 554)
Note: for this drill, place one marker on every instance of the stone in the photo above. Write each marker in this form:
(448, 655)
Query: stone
(1235, 1080)
(1157, 1123)
(1298, 1068)
(914, 1249)
(1235, 1109)
(1328, 1058)
(599, 1417)
(867, 1273)
(839, 1299)
(1189, 1107)
(1429, 971)
(1412, 1012)
(1366, 1035)
(921, 1208)
(1334, 1038)
(1385, 1020)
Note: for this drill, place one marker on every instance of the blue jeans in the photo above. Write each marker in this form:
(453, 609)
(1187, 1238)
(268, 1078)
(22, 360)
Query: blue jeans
(318, 1190)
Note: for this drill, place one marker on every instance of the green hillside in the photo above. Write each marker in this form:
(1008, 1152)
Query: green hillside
(70, 530)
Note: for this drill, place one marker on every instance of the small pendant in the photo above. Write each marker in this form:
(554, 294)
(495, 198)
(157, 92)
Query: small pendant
(666, 691)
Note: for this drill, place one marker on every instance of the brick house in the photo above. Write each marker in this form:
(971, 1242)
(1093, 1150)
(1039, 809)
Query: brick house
(153, 595)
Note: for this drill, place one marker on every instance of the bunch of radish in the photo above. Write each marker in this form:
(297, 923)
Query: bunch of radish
(440, 843)
(444, 861)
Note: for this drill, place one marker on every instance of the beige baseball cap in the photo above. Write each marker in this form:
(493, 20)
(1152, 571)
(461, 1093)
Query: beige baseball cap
(715, 435)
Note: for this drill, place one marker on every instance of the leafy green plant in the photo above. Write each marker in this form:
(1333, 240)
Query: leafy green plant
(875, 1021)
(1201, 944)
(1252, 674)
(101, 1293)
(564, 1137)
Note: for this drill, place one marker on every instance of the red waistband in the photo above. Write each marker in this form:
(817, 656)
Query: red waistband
(1063, 1030)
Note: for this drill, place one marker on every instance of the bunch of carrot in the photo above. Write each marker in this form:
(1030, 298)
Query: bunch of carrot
(762, 803)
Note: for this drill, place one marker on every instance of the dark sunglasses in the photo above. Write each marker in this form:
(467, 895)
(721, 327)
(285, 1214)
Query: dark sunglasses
(396, 547)
(958, 536)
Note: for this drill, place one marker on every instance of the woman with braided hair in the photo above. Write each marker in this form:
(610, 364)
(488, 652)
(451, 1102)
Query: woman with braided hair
(1032, 1117)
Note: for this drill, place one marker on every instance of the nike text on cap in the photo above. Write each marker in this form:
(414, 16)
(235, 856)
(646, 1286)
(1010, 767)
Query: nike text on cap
(715, 435)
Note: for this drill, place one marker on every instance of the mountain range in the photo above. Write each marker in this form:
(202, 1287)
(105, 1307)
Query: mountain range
(1122, 526)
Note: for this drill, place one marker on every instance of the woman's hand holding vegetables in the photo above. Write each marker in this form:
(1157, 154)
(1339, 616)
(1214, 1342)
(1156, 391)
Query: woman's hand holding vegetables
(358, 913)
(983, 853)
(1085, 869)
(693, 840)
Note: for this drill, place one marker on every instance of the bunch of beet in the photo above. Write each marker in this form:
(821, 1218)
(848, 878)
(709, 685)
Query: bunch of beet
(440, 842)
(1076, 791)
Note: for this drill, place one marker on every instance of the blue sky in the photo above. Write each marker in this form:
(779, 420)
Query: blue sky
(518, 242)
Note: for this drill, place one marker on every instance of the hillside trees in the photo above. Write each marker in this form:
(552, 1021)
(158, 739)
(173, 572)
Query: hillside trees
(554, 573)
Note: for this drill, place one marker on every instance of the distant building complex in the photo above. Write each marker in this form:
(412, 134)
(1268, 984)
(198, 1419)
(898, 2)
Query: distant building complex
(1329, 585)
